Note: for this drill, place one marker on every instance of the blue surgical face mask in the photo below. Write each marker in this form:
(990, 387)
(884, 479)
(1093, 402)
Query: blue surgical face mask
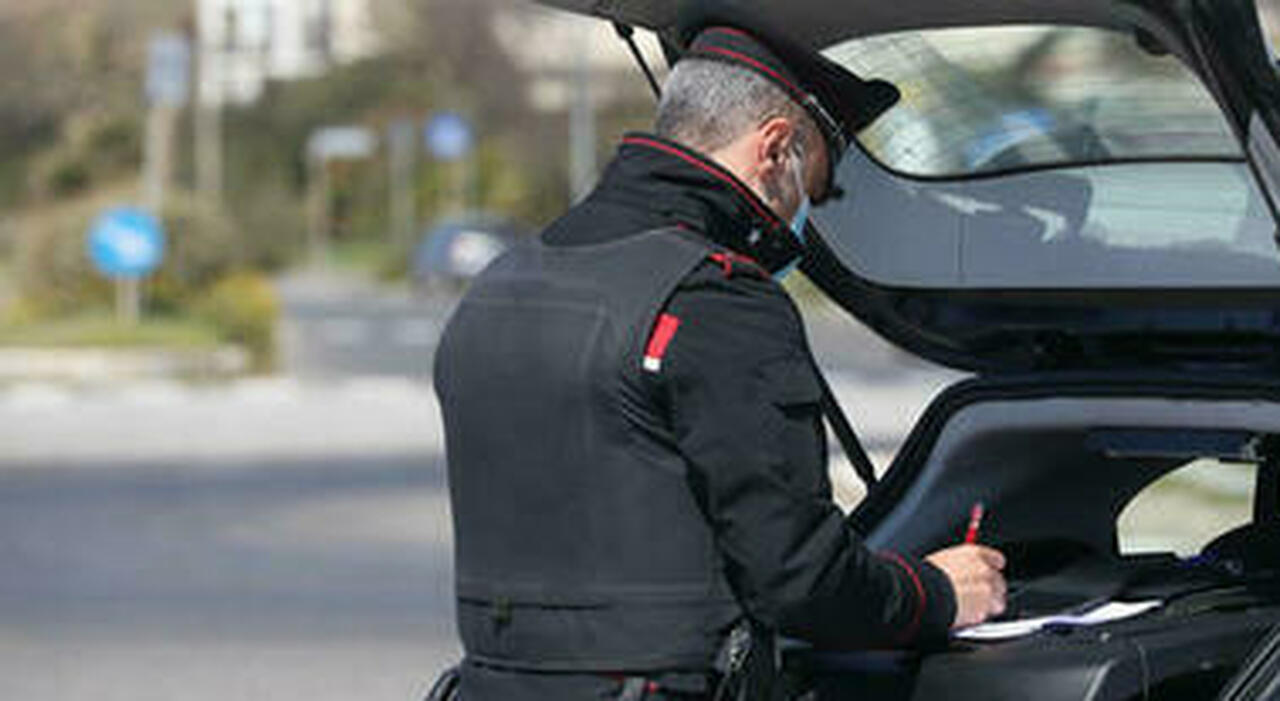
(801, 217)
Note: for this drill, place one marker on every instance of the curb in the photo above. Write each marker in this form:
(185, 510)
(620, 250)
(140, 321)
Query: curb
(102, 365)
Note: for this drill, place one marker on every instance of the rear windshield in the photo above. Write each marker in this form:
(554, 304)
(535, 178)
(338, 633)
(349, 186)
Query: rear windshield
(994, 99)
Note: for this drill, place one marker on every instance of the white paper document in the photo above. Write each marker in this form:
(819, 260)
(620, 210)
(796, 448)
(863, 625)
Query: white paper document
(1102, 613)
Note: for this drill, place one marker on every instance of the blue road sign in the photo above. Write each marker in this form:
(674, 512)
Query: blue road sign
(125, 242)
(449, 136)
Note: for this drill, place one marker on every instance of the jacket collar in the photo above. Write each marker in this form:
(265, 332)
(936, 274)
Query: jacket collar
(681, 186)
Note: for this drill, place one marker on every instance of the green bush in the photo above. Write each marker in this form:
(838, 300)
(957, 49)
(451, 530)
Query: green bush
(54, 274)
(115, 144)
(270, 226)
(69, 177)
(244, 308)
(57, 277)
(203, 275)
(203, 245)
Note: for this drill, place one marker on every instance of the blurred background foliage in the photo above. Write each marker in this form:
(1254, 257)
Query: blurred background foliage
(72, 126)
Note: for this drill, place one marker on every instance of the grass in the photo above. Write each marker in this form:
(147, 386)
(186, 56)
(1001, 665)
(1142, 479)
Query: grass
(376, 260)
(102, 330)
(359, 256)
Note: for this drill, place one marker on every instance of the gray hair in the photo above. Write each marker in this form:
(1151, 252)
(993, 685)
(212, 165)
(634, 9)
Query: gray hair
(707, 104)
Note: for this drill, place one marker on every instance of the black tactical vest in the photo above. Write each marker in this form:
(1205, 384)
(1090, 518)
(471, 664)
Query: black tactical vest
(579, 544)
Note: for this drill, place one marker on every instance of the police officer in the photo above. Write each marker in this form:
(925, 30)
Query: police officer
(637, 460)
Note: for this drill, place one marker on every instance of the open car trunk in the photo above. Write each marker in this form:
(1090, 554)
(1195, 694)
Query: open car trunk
(1055, 459)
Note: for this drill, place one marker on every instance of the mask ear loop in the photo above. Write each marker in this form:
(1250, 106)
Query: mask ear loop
(800, 220)
(805, 205)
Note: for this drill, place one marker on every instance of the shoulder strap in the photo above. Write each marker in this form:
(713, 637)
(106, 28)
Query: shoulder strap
(835, 416)
(831, 409)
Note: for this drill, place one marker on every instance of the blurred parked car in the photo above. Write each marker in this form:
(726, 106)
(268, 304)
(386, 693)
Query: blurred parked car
(455, 249)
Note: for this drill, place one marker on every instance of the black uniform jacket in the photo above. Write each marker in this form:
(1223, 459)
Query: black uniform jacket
(743, 403)
(726, 372)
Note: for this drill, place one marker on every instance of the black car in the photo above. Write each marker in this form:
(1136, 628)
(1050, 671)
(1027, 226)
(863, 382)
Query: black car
(1076, 203)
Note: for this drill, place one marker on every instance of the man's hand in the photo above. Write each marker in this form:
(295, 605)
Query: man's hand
(974, 571)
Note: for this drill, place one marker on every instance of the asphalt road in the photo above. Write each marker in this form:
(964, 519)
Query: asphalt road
(146, 546)
(339, 569)
(257, 563)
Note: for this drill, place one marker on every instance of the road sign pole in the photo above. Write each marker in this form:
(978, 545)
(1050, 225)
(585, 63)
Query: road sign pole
(167, 85)
(128, 301)
(157, 172)
(325, 145)
(208, 115)
(401, 142)
(318, 231)
(208, 145)
(451, 141)
(167, 88)
(155, 169)
(157, 158)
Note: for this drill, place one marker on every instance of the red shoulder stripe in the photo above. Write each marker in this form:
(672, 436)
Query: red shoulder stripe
(663, 331)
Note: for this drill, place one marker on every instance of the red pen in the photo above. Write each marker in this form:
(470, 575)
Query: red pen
(975, 522)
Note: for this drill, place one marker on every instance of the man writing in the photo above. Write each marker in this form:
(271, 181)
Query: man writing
(637, 460)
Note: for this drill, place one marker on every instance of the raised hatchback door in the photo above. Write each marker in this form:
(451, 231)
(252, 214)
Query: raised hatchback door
(1065, 185)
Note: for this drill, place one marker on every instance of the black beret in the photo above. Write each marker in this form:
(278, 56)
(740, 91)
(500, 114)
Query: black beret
(840, 102)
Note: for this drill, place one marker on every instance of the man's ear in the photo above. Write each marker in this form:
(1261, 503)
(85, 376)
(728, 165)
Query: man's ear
(771, 148)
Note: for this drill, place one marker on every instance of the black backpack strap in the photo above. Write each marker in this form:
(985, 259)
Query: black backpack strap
(831, 409)
(835, 416)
